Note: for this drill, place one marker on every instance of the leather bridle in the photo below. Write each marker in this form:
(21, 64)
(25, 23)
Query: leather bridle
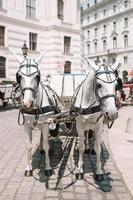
(108, 72)
(18, 79)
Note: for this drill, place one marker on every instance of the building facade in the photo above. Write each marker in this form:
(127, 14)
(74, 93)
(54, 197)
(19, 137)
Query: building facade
(107, 31)
(51, 27)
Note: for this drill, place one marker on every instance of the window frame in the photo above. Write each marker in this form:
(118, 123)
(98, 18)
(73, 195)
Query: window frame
(2, 37)
(60, 9)
(114, 42)
(126, 22)
(33, 41)
(1, 4)
(104, 45)
(67, 44)
(126, 40)
(3, 67)
(31, 8)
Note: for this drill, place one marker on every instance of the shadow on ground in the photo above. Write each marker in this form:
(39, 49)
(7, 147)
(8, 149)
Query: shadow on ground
(60, 153)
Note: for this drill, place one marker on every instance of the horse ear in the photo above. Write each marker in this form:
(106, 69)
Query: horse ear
(38, 60)
(116, 64)
(93, 65)
(19, 58)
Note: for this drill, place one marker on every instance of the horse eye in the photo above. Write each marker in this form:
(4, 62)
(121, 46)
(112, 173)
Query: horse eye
(98, 86)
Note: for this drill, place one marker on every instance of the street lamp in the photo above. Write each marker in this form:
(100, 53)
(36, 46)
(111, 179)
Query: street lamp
(97, 61)
(24, 49)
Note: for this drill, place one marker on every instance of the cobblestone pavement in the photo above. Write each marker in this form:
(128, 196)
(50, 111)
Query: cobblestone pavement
(62, 185)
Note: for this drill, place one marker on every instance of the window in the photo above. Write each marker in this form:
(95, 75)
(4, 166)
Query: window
(88, 5)
(60, 9)
(88, 33)
(95, 46)
(125, 22)
(114, 42)
(2, 36)
(95, 31)
(104, 45)
(114, 25)
(104, 12)
(32, 41)
(126, 3)
(67, 67)
(67, 44)
(88, 48)
(104, 28)
(88, 18)
(125, 59)
(95, 16)
(2, 67)
(125, 40)
(114, 8)
(1, 3)
(31, 8)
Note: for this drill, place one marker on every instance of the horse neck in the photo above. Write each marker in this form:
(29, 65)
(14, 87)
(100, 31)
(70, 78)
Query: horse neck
(86, 95)
(41, 98)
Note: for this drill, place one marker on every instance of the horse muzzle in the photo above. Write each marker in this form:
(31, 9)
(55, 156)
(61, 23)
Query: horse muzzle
(111, 116)
(27, 105)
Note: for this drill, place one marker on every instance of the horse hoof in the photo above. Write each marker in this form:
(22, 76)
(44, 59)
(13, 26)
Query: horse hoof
(28, 173)
(48, 172)
(99, 177)
(79, 176)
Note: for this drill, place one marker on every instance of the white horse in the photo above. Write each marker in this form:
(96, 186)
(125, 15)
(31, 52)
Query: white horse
(38, 102)
(94, 101)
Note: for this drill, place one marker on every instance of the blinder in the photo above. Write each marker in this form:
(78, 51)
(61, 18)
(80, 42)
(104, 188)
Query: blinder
(34, 90)
(98, 86)
(18, 78)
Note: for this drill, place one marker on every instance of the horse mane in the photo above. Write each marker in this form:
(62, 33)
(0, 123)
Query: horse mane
(85, 95)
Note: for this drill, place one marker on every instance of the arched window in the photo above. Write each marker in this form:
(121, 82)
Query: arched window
(88, 48)
(67, 67)
(95, 46)
(104, 45)
(2, 67)
(114, 42)
(125, 40)
(60, 9)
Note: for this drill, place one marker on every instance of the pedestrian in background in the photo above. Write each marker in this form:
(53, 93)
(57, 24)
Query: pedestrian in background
(119, 86)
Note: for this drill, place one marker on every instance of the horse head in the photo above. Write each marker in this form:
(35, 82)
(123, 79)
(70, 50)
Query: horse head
(28, 78)
(105, 88)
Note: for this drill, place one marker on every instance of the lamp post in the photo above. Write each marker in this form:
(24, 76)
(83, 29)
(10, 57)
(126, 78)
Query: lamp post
(97, 61)
(24, 50)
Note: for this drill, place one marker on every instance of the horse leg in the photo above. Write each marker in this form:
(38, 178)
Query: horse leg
(45, 134)
(28, 132)
(87, 147)
(79, 169)
(40, 147)
(99, 173)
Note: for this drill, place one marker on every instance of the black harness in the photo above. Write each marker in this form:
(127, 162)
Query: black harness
(98, 108)
(53, 107)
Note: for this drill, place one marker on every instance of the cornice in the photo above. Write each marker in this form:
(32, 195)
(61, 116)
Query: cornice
(95, 6)
(114, 16)
(28, 24)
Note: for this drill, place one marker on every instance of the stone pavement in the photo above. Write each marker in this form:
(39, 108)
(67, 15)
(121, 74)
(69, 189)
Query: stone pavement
(62, 185)
(121, 143)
